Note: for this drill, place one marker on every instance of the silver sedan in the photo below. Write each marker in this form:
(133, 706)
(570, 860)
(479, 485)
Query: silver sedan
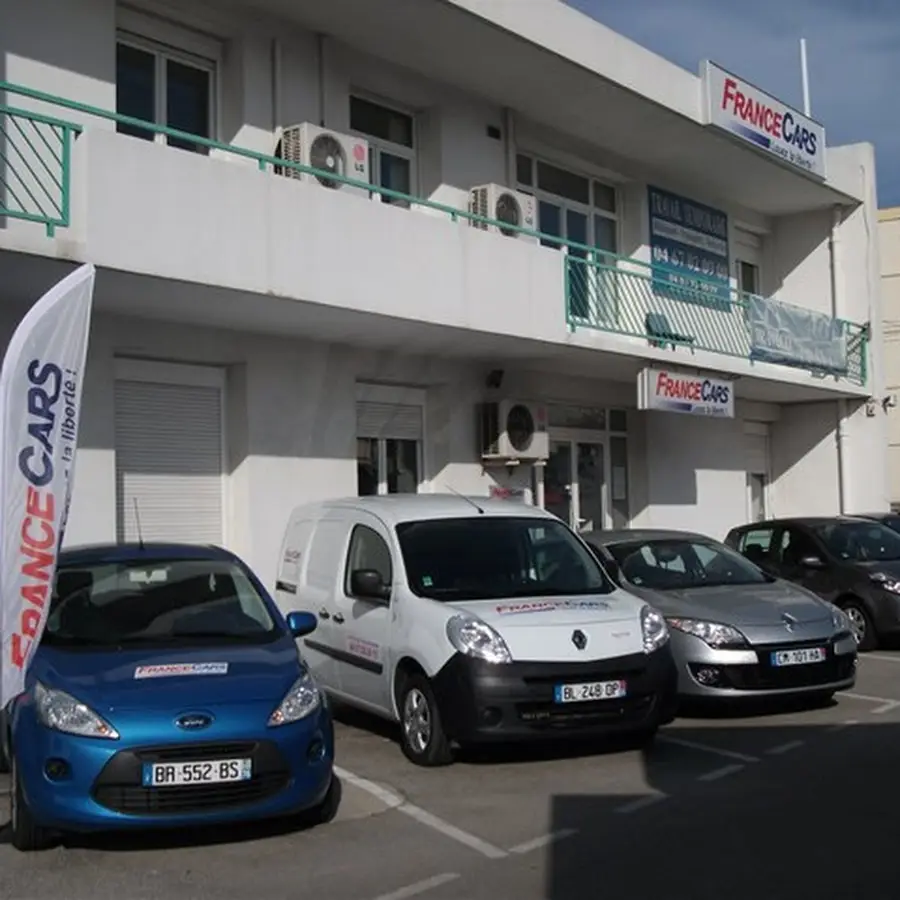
(736, 631)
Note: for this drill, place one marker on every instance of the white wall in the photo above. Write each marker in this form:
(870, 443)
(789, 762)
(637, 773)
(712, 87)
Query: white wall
(889, 243)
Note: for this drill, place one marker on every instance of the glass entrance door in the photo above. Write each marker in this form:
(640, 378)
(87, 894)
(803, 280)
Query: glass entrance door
(575, 483)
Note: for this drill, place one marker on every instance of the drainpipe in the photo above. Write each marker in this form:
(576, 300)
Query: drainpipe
(276, 88)
(320, 61)
(841, 430)
(509, 131)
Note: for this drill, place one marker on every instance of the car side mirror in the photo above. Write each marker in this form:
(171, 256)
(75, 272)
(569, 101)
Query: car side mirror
(368, 584)
(812, 562)
(301, 623)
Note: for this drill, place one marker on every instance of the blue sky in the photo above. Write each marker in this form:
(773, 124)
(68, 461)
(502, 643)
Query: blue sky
(853, 55)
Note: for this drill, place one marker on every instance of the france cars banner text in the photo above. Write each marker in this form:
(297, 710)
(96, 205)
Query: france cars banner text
(40, 405)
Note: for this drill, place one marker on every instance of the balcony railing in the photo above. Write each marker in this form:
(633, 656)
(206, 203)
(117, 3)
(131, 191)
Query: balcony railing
(602, 291)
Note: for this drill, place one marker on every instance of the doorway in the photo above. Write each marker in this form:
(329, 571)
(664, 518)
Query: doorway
(575, 481)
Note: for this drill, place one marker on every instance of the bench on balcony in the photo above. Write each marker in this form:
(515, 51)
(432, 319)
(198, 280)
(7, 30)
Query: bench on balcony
(661, 333)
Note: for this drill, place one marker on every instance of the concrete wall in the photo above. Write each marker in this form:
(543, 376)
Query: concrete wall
(889, 240)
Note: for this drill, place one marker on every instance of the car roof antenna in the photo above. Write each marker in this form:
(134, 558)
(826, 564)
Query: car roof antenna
(467, 499)
(137, 519)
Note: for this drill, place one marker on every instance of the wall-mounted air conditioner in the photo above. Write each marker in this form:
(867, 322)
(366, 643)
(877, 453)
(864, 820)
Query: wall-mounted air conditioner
(513, 430)
(493, 201)
(326, 150)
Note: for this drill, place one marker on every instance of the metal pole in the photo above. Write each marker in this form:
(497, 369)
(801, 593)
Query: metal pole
(804, 75)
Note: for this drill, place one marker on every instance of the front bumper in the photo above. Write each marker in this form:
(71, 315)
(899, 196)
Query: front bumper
(705, 673)
(483, 702)
(85, 784)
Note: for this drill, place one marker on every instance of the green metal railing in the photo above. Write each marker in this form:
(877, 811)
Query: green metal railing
(603, 291)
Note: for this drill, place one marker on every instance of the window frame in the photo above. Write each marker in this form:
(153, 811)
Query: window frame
(162, 53)
(378, 145)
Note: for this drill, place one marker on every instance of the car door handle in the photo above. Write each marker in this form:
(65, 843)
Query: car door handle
(338, 618)
(324, 614)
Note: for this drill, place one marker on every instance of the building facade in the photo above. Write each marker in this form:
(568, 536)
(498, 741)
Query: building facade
(541, 247)
(889, 238)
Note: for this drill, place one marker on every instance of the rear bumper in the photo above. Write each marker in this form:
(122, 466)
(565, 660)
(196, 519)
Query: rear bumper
(85, 784)
(483, 702)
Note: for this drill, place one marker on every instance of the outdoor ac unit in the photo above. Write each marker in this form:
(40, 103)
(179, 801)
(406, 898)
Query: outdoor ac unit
(513, 430)
(328, 151)
(493, 201)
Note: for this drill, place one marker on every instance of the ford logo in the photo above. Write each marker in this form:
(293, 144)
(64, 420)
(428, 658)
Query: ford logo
(194, 721)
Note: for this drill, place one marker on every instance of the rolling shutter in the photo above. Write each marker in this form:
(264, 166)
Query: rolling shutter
(388, 420)
(169, 459)
(756, 449)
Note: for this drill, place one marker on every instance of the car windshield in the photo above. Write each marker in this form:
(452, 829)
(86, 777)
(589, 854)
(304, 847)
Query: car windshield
(672, 564)
(493, 557)
(159, 602)
(859, 541)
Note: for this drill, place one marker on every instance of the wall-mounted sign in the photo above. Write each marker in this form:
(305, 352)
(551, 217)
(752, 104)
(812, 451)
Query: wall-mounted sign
(791, 336)
(698, 395)
(759, 119)
(688, 249)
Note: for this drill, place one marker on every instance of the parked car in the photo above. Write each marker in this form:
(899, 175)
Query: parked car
(891, 519)
(471, 620)
(849, 561)
(167, 691)
(736, 631)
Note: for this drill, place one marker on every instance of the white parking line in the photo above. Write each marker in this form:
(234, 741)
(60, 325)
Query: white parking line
(641, 803)
(693, 745)
(413, 890)
(543, 841)
(784, 748)
(716, 774)
(886, 704)
(394, 801)
(840, 726)
(878, 656)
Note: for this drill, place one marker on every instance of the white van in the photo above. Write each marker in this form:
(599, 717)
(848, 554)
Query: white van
(470, 620)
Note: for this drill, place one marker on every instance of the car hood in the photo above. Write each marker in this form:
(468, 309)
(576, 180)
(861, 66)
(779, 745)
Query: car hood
(746, 605)
(154, 679)
(541, 628)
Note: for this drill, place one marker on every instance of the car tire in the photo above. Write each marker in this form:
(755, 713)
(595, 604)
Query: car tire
(644, 738)
(324, 811)
(422, 736)
(867, 638)
(25, 834)
(5, 742)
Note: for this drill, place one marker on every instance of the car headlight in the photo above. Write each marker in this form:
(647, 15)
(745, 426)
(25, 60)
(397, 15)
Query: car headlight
(476, 638)
(300, 701)
(840, 621)
(886, 582)
(653, 629)
(715, 634)
(62, 712)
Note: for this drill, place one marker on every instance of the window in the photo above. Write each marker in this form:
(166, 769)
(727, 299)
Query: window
(795, 545)
(748, 277)
(165, 87)
(392, 147)
(389, 443)
(857, 541)
(368, 550)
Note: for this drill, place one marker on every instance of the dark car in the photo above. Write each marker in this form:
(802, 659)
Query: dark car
(850, 561)
(891, 519)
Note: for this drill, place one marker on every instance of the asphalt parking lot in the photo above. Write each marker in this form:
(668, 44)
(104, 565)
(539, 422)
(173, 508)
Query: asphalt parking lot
(796, 803)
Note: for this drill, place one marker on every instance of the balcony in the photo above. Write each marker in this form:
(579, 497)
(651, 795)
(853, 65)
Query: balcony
(70, 172)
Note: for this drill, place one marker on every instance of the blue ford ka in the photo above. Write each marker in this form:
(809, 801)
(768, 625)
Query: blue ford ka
(167, 691)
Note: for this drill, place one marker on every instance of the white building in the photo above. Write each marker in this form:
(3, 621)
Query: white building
(889, 235)
(261, 340)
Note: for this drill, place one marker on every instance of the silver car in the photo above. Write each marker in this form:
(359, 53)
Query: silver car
(736, 631)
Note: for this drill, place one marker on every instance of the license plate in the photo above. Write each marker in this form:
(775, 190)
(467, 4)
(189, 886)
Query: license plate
(592, 690)
(800, 657)
(180, 774)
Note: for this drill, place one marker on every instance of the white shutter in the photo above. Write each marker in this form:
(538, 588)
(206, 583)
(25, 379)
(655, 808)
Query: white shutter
(388, 420)
(169, 459)
(756, 450)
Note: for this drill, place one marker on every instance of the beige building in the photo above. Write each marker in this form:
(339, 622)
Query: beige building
(889, 234)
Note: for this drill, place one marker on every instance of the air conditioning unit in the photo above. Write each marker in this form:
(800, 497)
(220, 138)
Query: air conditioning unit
(513, 430)
(493, 201)
(329, 151)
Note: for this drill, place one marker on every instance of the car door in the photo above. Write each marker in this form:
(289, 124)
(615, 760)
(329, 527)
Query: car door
(362, 623)
(793, 545)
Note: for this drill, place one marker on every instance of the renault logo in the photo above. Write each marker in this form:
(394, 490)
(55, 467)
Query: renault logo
(789, 621)
(579, 639)
(194, 721)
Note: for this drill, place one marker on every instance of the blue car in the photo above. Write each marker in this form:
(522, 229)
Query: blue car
(167, 692)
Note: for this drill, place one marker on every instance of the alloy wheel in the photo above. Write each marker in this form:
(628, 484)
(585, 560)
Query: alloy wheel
(857, 623)
(417, 720)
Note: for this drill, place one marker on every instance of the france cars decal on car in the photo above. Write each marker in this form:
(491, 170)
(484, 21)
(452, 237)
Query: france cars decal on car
(174, 669)
(536, 606)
